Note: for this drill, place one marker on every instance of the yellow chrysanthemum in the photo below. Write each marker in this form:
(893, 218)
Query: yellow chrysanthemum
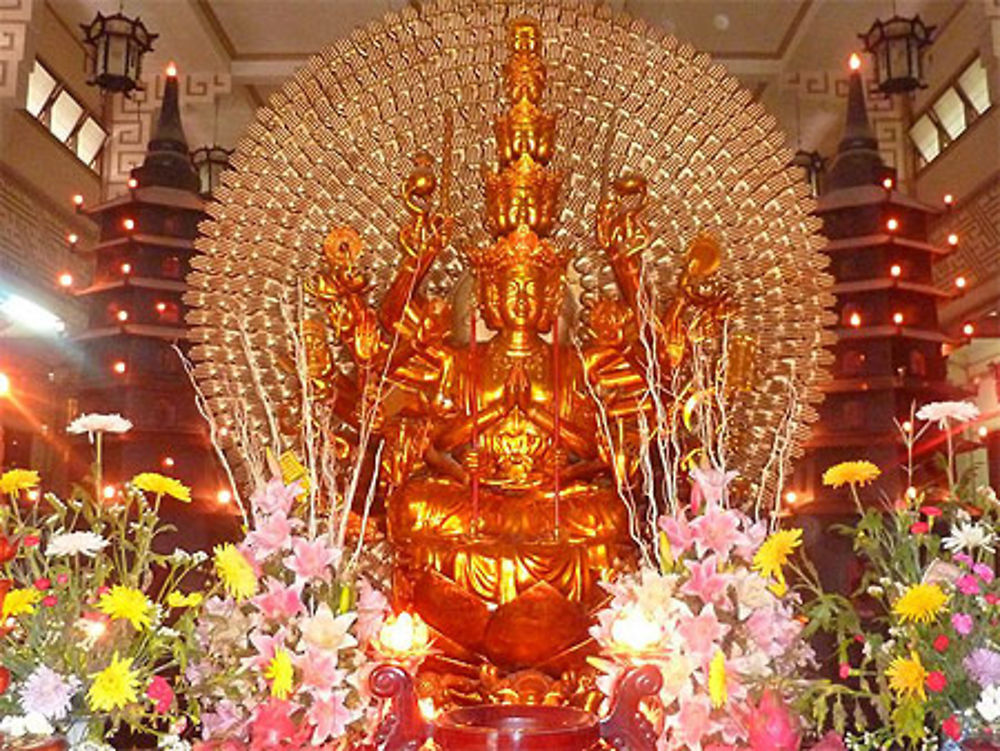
(773, 553)
(921, 603)
(158, 484)
(280, 673)
(14, 480)
(179, 600)
(235, 571)
(114, 687)
(907, 675)
(20, 602)
(126, 603)
(851, 473)
(717, 680)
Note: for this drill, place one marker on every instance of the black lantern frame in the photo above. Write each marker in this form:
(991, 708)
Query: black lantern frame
(813, 165)
(897, 46)
(210, 162)
(118, 43)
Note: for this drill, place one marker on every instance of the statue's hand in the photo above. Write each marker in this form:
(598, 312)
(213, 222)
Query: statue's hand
(517, 390)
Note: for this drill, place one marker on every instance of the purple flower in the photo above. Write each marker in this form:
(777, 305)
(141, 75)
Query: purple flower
(983, 666)
(963, 558)
(48, 693)
(968, 585)
(984, 572)
(962, 623)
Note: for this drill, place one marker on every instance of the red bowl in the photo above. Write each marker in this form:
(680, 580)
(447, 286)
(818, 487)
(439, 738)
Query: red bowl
(512, 727)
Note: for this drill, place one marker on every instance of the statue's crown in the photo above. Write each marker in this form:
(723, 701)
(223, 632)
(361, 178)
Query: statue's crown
(524, 190)
(522, 247)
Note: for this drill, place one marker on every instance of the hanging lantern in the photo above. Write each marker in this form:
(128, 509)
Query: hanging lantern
(897, 46)
(118, 43)
(812, 165)
(210, 162)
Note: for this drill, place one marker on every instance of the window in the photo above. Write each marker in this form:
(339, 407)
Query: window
(170, 267)
(51, 103)
(948, 117)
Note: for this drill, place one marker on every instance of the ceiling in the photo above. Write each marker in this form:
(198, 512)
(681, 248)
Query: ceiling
(260, 43)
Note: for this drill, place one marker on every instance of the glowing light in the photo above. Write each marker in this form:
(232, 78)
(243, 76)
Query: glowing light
(133, 183)
(110, 492)
(119, 367)
(122, 315)
(223, 432)
(907, 426)
(30, 315)
(892, 224)
(887, 183)
(969, 329)
(855, 319)
(128, 223)
(72, 238)
(960, 282)
(92, 627)
(160, 307)
(65, 279)
(126, 268)
(855, 61)
(224, 497)
(168, 461)
(791, 497)
(4, 385)
(78, 199)
(896, 270)
(427, 709)
(949, 199)
(404, 634)
(171, 69)
(897, 318)
(982, 431)
(634, 632)
(911, 493)
(953, 239)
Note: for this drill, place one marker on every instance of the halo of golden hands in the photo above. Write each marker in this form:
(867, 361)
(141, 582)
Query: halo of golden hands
(331, 146)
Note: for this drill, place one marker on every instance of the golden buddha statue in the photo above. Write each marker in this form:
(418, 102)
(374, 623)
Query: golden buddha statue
(501, 492)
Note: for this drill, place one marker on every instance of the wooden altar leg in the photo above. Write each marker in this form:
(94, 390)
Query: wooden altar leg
(403, 729)
(625, 727)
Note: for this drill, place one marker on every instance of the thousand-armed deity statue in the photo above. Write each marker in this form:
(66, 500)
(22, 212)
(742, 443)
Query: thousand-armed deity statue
(501, 476)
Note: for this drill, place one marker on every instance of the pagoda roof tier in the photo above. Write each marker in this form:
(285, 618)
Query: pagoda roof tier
(153, 195)
(142, 238)
(879, 285)
(869, 195)
(879, 239)
(887, 331)
(142, 282)
(133, 329)
(867, 384)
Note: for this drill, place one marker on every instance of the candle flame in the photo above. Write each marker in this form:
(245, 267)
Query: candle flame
(172, 69)
(404, 634)
(855, 61)
(634, 632)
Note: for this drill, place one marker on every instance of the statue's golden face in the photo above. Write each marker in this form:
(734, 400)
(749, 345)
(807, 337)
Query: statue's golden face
(520, 296)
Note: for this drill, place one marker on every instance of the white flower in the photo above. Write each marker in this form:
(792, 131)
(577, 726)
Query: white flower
(987, 493)
(73, 543)
(47, 693)
(172, 743)
(96, 423)
(968, 536)
(989, 703)
(29, 724)
(942, 412)
(325, 631)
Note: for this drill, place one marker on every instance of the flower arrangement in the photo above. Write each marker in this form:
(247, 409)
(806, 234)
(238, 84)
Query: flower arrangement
(919, 642)
(93, 624)
(281, 642)
(718, 621)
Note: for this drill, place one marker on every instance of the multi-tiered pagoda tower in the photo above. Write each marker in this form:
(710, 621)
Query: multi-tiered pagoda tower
(127, 356)
(889, 346)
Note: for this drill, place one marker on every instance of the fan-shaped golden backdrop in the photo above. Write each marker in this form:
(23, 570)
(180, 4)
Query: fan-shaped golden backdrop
(331, 147)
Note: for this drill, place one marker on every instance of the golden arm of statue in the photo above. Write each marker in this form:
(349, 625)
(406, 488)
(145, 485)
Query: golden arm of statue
(622, 233)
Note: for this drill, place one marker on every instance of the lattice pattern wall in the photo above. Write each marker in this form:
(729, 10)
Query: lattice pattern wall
(977, 222)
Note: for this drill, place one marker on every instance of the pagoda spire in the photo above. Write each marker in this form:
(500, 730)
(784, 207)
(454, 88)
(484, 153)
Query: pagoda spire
(857, 161)
(168, 161)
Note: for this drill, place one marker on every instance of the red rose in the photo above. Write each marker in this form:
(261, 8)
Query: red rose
(42, 584)
(50, 601)
(29, 541)
(936, 681)
(952, 728)
(941, 643)
(8, 549)
(4, 679)
(930, 511)
(919, 528)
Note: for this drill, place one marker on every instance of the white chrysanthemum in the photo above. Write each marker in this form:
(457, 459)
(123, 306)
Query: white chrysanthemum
(29, 724)
(47, 693)
(76, 543)
(969, 536)
(97, 423)
(942, 412)
(989, 703)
